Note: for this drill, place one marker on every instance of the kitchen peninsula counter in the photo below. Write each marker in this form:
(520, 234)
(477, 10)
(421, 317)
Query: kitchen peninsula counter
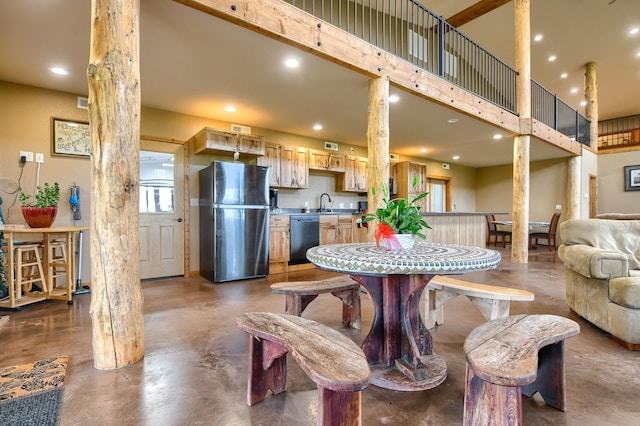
(465, 228)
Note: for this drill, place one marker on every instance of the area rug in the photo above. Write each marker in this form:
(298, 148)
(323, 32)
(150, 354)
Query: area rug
(31, 394)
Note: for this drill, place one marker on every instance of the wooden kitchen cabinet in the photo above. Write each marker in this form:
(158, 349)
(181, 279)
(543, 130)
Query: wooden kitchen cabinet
(335, 229)
(294, 167)
(279, 227)
(251, 145)
(406, 172)
(271, 159)
(289, 165)
(212, 141)
(354, 179)
(327, 161)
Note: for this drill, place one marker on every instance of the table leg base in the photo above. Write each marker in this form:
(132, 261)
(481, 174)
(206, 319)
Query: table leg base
(405, 378)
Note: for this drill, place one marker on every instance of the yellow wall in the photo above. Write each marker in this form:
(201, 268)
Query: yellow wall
(548, 188)
(25, 115)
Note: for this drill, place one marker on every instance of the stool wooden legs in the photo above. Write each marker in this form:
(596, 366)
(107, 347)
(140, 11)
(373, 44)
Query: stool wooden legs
(28, 270)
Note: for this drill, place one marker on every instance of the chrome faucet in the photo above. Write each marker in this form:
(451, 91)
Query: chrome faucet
(322, 208)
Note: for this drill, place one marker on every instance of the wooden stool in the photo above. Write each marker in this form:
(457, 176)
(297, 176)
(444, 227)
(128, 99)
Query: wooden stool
(58, 263)
(28, 270)
(334, 362)
(301, 293)
(511, 356)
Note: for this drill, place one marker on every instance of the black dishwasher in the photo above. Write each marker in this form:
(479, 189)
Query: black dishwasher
(305, 233)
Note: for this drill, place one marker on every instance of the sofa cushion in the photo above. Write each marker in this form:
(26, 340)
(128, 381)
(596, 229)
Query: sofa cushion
(612, 235)
(634, 273)
(625, 291)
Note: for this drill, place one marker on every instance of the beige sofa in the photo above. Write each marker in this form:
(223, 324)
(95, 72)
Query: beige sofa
(602, 260)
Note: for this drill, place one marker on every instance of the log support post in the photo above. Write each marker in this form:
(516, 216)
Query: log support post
(574, 187)
(114, 116)
(591, 109)
(377, 143)
(522, 143)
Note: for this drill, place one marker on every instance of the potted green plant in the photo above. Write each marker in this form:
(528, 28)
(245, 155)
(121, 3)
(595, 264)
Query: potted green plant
(399, 220)
(39, 210)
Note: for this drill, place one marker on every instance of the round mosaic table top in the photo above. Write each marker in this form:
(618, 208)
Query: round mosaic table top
(423, 258)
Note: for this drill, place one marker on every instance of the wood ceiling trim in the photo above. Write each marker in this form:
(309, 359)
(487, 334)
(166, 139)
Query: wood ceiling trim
(475, 11)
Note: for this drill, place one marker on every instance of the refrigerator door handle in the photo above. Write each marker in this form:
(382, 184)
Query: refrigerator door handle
(240, 206)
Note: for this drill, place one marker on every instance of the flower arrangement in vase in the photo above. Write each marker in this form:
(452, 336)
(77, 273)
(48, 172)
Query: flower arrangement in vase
(398, 220)
(39, 210)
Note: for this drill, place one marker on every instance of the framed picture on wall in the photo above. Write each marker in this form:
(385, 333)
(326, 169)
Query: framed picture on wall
(70, 138)
(632, 178)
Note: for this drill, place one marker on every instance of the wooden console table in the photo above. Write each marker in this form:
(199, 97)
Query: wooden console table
(44, 236)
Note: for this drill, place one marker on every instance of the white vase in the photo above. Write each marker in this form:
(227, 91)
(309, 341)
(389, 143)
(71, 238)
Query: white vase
(406, 240)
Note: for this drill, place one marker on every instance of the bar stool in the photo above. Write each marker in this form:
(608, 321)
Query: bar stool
(58, 262)
(28, 270)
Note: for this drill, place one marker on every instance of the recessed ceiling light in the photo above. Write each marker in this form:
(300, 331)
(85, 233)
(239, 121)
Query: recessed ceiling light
(638, 54)
(634, 31)
(583, 103)
(497, 136)
(59, 71)
(292, 63)
(230, 108)
(456, 157)
(537, 37)
(564, 75)
(394, 98)
(317, 127)
(552, 58)
(574, 90)
(453, 120)
(423, 150)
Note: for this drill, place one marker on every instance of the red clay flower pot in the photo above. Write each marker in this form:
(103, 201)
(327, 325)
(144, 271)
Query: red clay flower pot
(39, 217)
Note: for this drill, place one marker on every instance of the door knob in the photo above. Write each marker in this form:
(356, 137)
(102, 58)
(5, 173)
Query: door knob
(179, 220)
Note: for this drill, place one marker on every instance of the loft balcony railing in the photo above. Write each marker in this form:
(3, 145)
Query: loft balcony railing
(552, 111)
(411, 32)
(619, 133)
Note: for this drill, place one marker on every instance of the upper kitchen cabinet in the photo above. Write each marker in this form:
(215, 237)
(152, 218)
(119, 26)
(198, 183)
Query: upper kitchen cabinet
(212, 141)
(294, 167)
(289, 165)
(405, 173)
(322, 160)
(354, 179)
(271, 159)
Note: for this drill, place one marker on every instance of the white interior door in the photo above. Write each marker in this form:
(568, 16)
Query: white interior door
(438, 195)
(161, 210)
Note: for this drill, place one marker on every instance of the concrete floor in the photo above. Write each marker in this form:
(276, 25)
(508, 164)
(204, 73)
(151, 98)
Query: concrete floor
(195, 367)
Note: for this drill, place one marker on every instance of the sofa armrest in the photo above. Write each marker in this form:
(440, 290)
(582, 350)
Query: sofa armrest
(592, 262)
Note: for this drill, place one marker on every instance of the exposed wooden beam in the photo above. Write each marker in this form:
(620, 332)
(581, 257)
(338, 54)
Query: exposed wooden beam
(475, 11)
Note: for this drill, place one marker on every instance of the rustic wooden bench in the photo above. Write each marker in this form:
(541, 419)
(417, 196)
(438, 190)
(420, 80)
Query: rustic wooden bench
(511, 356)
(300, 293)
(333, 361)
(492, 301)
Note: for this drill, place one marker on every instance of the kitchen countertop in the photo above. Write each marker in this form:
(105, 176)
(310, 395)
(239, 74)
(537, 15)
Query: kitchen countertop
(288, 212)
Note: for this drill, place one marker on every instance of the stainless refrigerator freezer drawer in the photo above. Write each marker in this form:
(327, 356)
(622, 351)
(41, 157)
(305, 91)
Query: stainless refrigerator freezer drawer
(241, 246)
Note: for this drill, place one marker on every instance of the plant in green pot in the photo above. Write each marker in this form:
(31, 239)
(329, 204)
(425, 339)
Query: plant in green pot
(399, 220)
(39, 210)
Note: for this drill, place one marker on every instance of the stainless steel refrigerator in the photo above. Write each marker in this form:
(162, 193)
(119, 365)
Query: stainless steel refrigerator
(234, 221)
